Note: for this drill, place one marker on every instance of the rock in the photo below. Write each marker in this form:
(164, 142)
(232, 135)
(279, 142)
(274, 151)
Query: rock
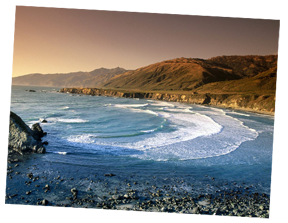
(32, 91)
(116, 197)
(109, 175)
(163, 209)
(44, 202)
(195, 210)
(41, 150)
(74, 191)
(22, 139)
(38, 132)
(126, 196)
(30, 175)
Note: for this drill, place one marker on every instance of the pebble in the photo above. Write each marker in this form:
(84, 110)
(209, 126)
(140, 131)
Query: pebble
(30, 175)
(44, 202)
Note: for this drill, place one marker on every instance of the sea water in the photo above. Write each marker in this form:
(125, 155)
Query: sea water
(197, 148)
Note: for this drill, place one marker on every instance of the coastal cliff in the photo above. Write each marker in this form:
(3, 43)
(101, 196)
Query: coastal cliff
(250, 102)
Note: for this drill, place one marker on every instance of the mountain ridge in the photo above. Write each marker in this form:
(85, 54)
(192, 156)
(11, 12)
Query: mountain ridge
(71, 79)
(182, 74)
(191, 73)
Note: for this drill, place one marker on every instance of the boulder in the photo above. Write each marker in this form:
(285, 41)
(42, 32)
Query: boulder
(38, 132)
(22, 139)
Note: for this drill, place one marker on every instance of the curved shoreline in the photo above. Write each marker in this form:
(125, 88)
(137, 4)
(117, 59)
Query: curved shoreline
(261, 104)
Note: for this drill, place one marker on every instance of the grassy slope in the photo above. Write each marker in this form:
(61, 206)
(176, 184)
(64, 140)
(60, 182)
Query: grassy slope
(171, 75)
(263, 83)
(229, 74)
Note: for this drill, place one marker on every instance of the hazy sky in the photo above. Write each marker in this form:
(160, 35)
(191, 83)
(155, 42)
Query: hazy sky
(51, 40)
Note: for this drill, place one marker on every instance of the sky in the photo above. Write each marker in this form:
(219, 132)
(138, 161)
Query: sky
(59, 40)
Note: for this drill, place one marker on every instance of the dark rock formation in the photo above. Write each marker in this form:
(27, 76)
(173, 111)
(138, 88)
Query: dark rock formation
(38, 132)
(22, 139)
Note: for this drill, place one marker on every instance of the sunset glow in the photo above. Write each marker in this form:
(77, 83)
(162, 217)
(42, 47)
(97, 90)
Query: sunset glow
(53, 40)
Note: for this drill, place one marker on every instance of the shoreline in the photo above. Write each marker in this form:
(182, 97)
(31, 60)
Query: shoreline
(62, 191)
(36, 179)
(240, 102)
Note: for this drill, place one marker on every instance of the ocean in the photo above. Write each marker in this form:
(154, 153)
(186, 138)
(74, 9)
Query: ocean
(190, 148)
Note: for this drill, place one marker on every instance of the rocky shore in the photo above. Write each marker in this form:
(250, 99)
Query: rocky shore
(249, 102)
(22, 139)
(28, 184)
(33, 180)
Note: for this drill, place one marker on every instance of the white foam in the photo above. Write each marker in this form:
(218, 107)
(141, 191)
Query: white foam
(209, 132)
(72, 120)
(149, 131)
(62, 153)
(162, 104)
(66, 120)
(85, 138)
(238, 113)
(64, 108)
(198, 137)
(129, 105)
(188, 126)
(135, 108)
(184, 109)
(144, 111)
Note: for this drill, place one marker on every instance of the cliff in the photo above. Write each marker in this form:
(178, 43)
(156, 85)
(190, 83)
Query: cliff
(22, 139)
(250, 102)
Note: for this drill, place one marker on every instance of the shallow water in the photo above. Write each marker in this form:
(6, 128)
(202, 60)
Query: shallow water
(192, 148)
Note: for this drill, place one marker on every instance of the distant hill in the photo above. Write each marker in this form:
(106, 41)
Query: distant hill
(75, 79)
(246, 66)
(261, 83)
(186, 74)
(176, 74)
(222, 74)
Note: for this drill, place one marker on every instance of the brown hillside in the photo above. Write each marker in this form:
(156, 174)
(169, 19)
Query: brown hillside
(246, 66)
(176, 74)
(263, 83)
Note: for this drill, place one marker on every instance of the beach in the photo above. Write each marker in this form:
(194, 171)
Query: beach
(166, 157)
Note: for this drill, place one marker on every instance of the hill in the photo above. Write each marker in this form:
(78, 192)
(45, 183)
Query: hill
(261, 83)
(186, 74)
(246, 66)
(73, 79)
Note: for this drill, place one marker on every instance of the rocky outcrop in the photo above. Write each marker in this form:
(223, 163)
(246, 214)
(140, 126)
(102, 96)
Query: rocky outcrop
(250, 102)
(22, 139)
